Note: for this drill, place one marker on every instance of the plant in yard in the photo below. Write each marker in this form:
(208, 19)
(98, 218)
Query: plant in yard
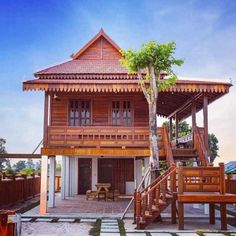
(149, 63)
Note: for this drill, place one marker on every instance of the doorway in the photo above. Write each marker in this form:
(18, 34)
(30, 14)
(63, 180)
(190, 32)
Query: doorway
(85, 175)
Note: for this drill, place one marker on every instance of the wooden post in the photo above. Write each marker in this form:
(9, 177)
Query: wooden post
(212, 213)
(171, 130)
(51, 195)
(194, 122)
(138, 209)
(135, 199)
(223, 216)
(205, 120)
(45, 124)
(25, 188)
(43, 188)
(222, 178)
(176, 128)
(181, 215)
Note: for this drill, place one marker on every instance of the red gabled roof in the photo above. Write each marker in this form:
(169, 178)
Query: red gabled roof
(99, 56)
(100, 34)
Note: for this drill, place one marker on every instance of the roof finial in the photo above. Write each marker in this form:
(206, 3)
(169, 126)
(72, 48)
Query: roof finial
(101, 30)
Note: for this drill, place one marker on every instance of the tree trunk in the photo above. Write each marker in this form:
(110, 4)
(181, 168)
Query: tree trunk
(154, 155)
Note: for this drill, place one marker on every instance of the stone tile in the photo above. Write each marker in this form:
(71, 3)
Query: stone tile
(110, 230)
(188, 234)
(109, 227)
(26, 219)
(43, 220)
(161, 234)
(87, 220)
(109, 234)
(213, 234)
(66, 220)
(136, 234)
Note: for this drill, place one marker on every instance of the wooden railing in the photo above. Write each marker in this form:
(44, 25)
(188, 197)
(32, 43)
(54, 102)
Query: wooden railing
(100, 136)
(201, 179)
(200, 147)
(154, 196)
(168, 149)
(18, 189)
(230, 185)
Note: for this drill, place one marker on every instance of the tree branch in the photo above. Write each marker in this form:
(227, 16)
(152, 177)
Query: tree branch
(143, 87)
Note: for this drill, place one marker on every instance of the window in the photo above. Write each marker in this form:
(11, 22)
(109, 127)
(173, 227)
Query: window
(121, 113)
(79, 113)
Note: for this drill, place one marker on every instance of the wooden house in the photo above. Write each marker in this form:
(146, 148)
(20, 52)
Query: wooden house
(96, 118)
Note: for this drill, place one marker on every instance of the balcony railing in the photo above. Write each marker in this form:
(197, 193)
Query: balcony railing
(100, 136)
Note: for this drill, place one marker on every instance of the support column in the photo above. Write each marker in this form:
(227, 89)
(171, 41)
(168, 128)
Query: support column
(63, 178)
(94, 172)
(176, 128)
(51, 196)
(45, 123)
(171, 130)
(205, 119)
(194, 122)
(67, 177)
(44, 184)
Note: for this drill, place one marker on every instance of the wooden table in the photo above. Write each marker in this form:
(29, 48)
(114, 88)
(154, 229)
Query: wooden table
(102, 189)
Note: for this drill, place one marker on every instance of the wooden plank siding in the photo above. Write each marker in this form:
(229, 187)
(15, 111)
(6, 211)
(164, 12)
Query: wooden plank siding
(101, 107)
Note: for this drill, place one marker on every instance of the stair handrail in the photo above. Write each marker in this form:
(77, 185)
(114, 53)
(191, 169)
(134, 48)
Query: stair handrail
(172, 170)
(169, 154)
(200, 147)
(153, 194)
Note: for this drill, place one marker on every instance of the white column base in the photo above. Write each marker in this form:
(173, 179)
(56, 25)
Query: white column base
(51, 196)
(44, 185)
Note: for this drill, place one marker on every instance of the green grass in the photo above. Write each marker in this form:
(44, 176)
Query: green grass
(121, 227)
(95, 230)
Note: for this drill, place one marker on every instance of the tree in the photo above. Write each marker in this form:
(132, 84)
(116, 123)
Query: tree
(213, 146)
(2, 151)
(185, 128)
(30, 164)
(149, 63)
(20, 165)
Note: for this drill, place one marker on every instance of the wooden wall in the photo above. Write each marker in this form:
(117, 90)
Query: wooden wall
(100, 49)
(100, 108)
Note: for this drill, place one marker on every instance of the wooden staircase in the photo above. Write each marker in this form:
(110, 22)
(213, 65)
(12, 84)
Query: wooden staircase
(149, 203)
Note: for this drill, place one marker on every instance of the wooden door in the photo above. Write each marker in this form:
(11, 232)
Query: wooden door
(105, 171)
(116, 171)
(85, 175)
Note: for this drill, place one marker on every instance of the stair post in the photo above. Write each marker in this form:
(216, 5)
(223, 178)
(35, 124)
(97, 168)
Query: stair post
(135, 209)
(138, 209)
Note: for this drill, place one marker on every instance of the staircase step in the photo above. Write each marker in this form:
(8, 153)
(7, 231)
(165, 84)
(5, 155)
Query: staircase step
(183, 151)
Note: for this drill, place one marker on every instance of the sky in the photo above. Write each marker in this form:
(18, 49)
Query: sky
(37, 34)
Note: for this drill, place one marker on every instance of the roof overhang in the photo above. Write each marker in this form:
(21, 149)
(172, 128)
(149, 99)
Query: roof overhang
(175, 99)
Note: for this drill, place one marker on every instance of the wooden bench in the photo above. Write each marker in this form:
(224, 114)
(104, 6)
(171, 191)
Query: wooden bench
(203, 185)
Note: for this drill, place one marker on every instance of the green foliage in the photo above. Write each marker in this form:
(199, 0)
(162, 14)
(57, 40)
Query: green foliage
(27, 171)
(10, 171)
(159, 56)
(20, 165)
(38, 165)
(184, 128)
(58, 167)
(30, 164)
(2, 150)
(213, 145)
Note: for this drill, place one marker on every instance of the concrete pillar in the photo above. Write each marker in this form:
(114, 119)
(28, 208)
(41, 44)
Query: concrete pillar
(146, 165)
(94, 172)
(138, 172)
(63, 178)
(67, 177)
(76, 177)
(44, 184)
(51, 196)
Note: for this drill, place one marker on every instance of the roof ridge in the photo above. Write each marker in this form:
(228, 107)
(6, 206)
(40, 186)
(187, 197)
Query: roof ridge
(101, 33)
